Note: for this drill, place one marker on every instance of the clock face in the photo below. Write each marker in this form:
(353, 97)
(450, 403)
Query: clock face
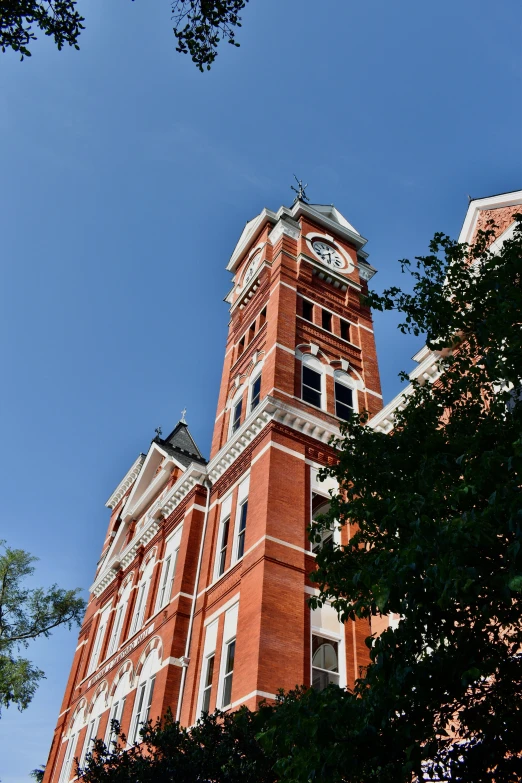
(251, 268)
(328, 255)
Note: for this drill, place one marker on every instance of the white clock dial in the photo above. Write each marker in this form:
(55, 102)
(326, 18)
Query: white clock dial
(328, 254)
(251, 268)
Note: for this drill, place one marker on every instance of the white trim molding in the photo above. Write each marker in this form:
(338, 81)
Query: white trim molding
(126, 482)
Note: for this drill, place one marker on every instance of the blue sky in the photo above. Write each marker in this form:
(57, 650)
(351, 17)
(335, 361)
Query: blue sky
(127, 177)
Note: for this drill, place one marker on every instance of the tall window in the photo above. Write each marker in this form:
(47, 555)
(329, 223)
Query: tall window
(117, 707)
(326, 320)
(92, 727)
(119, 619)
(98, 641)
(236, 416)
(312, 381)
(144, 694)
(207, 669)
(223, 545)
(308, 310)
(345, 330)
(243, 511)
(230, 653)
(256, 393)
(66, 771)
(325, 662)
(169, 570)
(344, 403)
(207, 686)
(141, 598)
(223, 536)
(228, 656)
(324, 536)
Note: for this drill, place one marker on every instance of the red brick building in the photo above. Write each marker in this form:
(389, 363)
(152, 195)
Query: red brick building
(200, 595)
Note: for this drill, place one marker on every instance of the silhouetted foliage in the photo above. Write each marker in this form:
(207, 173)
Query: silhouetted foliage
(26, 614)
(199, 25)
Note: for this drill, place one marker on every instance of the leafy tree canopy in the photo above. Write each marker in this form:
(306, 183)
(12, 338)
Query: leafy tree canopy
(199, 25)
(26, 614)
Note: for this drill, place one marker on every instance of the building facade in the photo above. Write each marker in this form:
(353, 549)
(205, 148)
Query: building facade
(200, 596)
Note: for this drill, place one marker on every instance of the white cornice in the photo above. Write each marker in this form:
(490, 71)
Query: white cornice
(315, 212)
(270, 409)
(428, 370)
(490, 202)
(127, 481)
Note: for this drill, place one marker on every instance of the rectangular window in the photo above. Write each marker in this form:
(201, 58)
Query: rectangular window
(116, 630)
(326, 320)
(256, 393)
(343, 401)
(68, 759)
(207, 687)
(222, 556)
(236, 418)
(262, 317)
(169, 570)
(230, 652)
(144, 701)
(325, 662)
(207, 667)
(240, 347)
(115, 714)
(308, 310)
(345, 330)
(252, 332)
(243, 511)
(92, 731)
(311, 386)
(98, 641)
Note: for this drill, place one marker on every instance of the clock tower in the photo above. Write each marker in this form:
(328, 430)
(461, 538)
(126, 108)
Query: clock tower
(200, 598)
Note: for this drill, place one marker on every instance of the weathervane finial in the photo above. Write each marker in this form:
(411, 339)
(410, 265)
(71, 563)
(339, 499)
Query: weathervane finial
(300, 190)
(183, 412)
(158, 432)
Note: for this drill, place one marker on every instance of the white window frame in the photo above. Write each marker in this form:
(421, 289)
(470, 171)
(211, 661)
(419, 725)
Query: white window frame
(322, 489)
(117, 706)
(315, 364)
(119, 620)
(209, 651)
(144, 696)
(91, 734)
(237, 401)
(140, 606)
(344, 379)
(224, 514)
(99, 639)
(168, 571)
(327, 633)
(242, 498)
(65, 774)
(257, 373)
(229, 637)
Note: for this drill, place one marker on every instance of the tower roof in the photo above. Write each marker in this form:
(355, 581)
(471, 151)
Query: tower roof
(325, 215)
(181, 445)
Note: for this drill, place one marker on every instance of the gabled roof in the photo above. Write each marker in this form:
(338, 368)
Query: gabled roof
(181, 445)
(325, 215)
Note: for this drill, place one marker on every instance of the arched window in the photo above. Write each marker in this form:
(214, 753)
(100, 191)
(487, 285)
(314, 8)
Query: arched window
(117, 707)
(345, 395)
(93, 724)
(141, 598)
(325, 662)
(325, 536)
(119, 619)
(77, 725)
(144, 694)
(312, 381)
